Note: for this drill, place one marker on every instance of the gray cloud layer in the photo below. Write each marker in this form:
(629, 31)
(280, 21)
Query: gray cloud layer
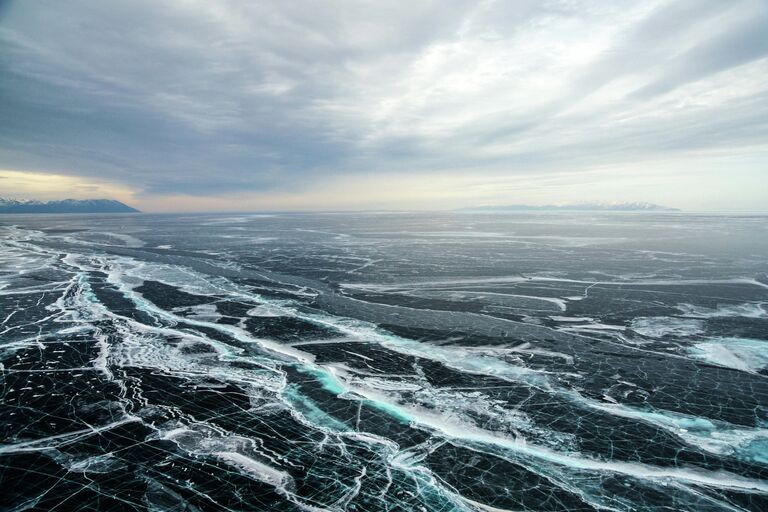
(205, 97)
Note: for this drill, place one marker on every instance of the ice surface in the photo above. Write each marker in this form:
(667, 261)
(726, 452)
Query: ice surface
(384, 362)
(737, 353)
(656, 327)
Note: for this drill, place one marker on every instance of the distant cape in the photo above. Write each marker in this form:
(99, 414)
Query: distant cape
(65, 206)
(606, 207)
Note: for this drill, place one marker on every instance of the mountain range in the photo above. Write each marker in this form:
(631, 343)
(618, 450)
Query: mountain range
(64, 206)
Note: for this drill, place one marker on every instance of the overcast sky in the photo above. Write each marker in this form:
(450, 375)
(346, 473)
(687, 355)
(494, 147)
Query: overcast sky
(252, 105)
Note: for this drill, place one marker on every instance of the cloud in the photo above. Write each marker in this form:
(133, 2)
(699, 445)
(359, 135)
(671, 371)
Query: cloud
(199, 98)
